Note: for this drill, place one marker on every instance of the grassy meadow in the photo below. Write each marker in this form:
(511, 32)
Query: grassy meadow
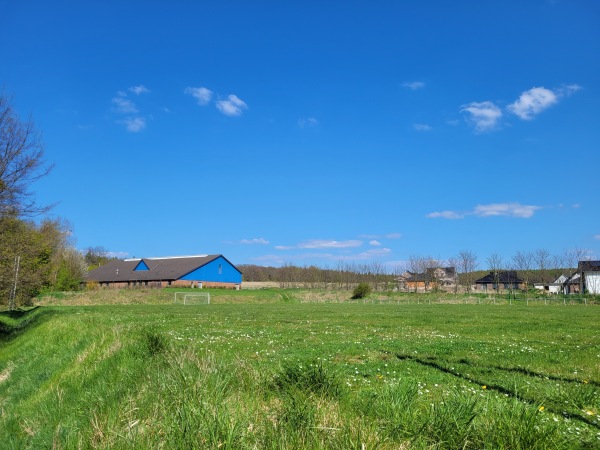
(284, 369)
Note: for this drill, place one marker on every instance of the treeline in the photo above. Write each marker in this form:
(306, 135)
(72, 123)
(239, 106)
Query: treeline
(34, 257)
(39, 257)
(343, 276)
(346, 276)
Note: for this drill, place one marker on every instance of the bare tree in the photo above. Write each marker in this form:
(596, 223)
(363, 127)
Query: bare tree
(542, 259)
(21, 163)
(466, 265)
(523, 262)
(495, 264)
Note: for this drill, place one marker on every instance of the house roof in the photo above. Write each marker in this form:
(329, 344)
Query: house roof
(504, 276)
(159, 269)
(589, 266)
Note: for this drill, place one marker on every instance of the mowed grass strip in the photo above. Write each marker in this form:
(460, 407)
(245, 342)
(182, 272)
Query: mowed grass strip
(289, 375)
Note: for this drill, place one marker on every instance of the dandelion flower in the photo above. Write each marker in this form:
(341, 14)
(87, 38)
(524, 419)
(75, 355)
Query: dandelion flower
(484, 387)
(541, 408)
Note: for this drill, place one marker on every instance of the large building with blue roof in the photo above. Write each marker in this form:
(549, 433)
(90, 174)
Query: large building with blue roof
(191, 271)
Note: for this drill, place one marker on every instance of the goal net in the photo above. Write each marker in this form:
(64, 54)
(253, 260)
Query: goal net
(185, 298)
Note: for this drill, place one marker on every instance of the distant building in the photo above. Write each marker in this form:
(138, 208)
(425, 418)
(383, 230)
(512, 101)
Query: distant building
(434, 278)
(506, 280)
(589, 272)
(192, 271)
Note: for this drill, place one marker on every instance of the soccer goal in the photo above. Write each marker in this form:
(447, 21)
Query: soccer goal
(185, 298)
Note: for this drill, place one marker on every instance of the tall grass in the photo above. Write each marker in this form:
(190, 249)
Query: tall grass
(301, 376)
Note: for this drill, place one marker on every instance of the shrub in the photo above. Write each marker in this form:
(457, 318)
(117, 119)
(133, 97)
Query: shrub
(361, 291)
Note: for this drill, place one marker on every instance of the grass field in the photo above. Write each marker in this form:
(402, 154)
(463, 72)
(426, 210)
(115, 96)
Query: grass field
(259, 369)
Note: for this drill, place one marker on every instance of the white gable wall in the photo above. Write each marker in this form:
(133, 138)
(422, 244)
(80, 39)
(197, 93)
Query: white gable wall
(592, 282)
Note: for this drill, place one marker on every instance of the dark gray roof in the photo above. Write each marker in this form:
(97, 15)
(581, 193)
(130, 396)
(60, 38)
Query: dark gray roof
(589, 266)
(504, 276)
(161, 269)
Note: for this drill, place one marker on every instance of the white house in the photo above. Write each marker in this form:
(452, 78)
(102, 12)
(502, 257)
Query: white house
(590, 273)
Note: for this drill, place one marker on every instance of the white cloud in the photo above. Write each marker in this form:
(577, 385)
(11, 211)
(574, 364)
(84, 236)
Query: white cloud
(321, 243)
(260, 241)
(494, 209)
(310, 122)
(445, 215)
(533, 102)
(381, 236)
(393, 235)
(201, 94)
(597, 237)
(374, 243)
(141, 89)
(483, 115)
(134, 124)
(506, 209)
(233, 106)
(119, 255)
(123, 105)
(422, 127)
(414, 85)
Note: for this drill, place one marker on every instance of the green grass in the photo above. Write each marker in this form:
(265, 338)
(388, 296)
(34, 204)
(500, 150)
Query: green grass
(262, 370)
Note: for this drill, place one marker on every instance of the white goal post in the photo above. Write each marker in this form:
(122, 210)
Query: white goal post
(186, 298)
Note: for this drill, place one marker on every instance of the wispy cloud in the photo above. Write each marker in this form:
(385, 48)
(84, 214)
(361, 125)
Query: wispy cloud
(422, 127)
(368, 255)
(310, 122)
(233, 106)
(375, 243)
(535, 100)
(381, 236)
(123, 105)
(597, 237)
(259, 241)
(446, 215)
(483, 115)
(141, 89)
(201, 94)
(491, 210)
(568, 89)
(323, 243)
(119, 255)
(134, 124)
(414, 85)
(506, 209)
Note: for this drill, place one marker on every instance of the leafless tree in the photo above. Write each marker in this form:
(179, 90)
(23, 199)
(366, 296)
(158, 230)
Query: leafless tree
(495, 265)
(542, 259)
(21, 162)
(466, 265)
(523, 262)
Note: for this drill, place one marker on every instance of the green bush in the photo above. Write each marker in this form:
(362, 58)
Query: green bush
(361, 291)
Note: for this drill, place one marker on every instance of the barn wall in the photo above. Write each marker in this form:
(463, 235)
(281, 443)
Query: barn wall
(216, 271)
(592, 282)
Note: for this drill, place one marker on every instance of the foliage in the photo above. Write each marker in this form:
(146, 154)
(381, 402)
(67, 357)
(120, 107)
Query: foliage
(34, 258)
(361, 291)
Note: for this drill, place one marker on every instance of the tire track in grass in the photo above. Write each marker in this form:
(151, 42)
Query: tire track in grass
(496, 387)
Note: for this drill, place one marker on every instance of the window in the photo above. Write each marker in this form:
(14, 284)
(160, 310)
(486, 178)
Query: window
(220, 269)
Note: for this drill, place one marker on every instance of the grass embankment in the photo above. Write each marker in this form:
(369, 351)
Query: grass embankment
(290, 375)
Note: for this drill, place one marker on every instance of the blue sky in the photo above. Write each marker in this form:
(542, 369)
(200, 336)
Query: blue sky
(314, 132)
